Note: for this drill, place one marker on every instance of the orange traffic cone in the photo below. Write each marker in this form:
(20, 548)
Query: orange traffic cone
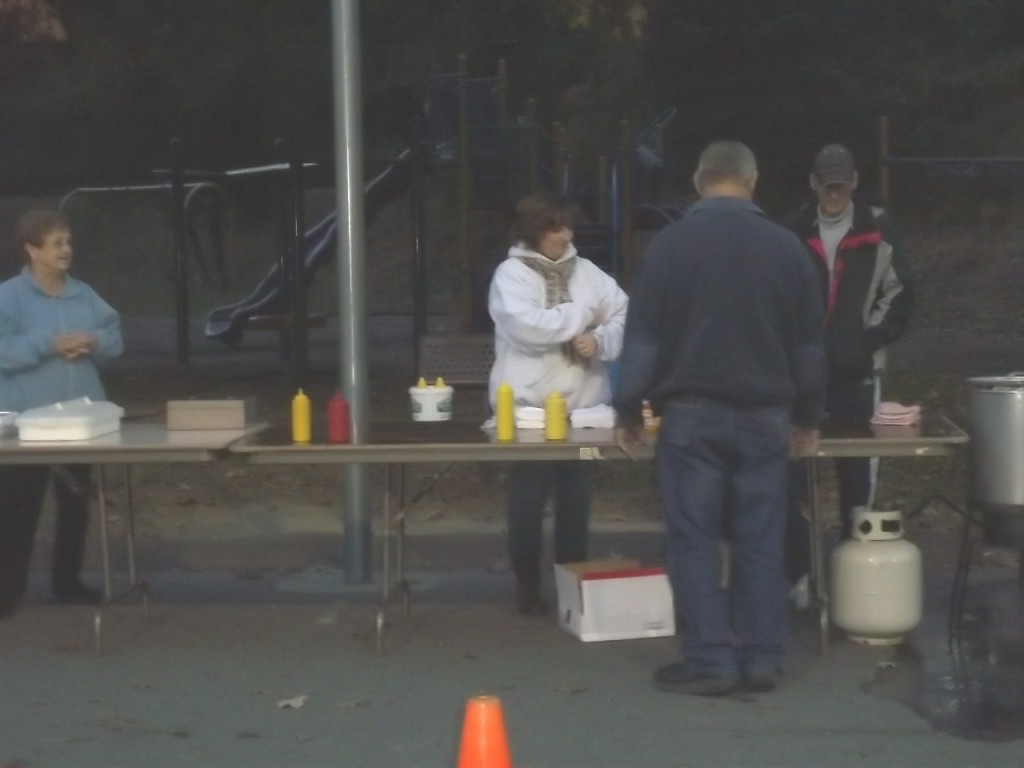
(484, 743)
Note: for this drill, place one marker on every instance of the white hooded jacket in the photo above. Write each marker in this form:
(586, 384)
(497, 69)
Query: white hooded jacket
(528, 336)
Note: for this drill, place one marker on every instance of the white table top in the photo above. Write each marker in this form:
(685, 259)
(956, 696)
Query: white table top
(134, 443)
(451, 441)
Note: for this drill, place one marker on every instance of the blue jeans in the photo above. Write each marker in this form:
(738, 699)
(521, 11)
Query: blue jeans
(722, 477)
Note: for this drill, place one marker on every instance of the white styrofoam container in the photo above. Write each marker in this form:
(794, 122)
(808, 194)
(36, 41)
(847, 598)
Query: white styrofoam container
(69, 420)
(7, 425)
(614, 600)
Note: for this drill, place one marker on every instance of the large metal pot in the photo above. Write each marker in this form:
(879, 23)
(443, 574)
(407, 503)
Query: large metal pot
(996, 414)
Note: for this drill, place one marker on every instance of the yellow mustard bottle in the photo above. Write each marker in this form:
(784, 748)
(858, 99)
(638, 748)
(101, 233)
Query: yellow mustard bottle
(505, 413)
(301, 418)
(556, 420)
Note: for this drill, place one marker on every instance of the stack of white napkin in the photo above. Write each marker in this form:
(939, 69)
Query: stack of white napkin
(896, 415)
(596, 416)
(529, 417)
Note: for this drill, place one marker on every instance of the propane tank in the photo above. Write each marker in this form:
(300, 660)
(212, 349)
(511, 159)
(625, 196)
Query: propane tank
(877, 580)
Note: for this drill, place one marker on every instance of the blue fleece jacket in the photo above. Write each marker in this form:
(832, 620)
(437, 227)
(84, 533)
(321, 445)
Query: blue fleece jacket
(31, 372)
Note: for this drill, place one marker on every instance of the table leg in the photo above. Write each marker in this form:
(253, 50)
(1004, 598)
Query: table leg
(401, 582)
(394, 529)
(101, 492)
(134, 583)
(385, 567)
(818, 577)
(385, 580)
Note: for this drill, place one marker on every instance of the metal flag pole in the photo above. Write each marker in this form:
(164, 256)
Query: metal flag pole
(353, 379)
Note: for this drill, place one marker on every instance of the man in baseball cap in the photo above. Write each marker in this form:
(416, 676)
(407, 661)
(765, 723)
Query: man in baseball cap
(834, 180)
(834, 165)
(866, 284)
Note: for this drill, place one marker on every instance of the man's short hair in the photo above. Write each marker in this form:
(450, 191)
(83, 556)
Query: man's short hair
(726, 161)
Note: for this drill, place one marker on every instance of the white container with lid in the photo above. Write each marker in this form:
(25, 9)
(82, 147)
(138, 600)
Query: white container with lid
(431, 403)
(7, 426)
(79, 419)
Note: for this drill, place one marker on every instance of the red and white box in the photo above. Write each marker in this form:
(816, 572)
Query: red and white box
(614, 600)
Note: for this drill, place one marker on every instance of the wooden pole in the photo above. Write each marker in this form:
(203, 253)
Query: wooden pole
(466, 268)
(558, 156)
(502, 93)
(180, 252)
(624, 265)
(533, 144)
(883, 158)
(504, 134)
(419, 271)
(602, 180)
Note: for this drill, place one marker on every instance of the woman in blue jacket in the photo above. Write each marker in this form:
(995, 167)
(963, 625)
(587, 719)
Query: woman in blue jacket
(54, 331)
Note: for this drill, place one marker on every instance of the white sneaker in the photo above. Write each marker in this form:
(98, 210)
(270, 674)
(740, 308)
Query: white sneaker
(800, 594)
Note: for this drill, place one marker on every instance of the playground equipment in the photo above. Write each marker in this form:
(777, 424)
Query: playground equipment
(318, 245)
(465, 125)
(202, 198)
(278, 302)
(180, 180)
(499, 160)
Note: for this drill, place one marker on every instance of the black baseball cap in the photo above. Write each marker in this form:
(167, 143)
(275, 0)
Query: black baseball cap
(834, 165)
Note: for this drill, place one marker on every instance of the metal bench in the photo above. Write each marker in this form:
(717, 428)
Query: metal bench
(463, 359)
(459, 358)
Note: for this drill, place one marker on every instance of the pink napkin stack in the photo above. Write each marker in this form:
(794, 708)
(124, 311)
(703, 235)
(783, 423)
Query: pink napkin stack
(896, 415)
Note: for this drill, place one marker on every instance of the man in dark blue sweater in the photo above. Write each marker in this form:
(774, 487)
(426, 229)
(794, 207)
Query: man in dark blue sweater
(724, 337)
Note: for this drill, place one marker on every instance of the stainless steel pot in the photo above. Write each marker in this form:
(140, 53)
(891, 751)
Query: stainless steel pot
(995, 410)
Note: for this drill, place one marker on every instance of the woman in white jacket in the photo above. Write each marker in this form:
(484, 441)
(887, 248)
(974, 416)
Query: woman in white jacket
(558, 322)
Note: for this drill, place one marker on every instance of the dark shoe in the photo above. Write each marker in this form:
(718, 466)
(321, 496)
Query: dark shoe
(761, 681)
(682, 678)
(76, 593)
(529, 602)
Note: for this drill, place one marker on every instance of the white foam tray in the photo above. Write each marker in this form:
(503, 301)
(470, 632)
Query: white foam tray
(80, 419)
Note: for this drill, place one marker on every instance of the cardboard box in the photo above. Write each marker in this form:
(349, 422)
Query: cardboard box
(208, 414)
(614, 600)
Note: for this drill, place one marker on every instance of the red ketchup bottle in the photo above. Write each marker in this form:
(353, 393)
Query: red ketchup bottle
(337, 419)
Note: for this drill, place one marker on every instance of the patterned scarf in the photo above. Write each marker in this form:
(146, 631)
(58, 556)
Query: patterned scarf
(556, 278)
(556, 291)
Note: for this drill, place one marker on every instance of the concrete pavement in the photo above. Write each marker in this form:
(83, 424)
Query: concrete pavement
(201, 683)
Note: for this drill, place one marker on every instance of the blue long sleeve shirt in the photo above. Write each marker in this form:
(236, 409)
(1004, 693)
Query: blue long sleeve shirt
(31, 372)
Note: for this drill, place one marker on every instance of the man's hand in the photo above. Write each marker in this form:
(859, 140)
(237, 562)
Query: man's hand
(585, 345)
(629, 437)
(803, 442)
